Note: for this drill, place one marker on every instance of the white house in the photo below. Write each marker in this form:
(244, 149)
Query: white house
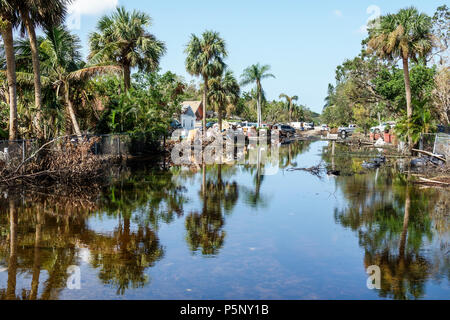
(187, 118)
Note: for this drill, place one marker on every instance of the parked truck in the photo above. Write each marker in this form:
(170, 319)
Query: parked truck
(344, 132)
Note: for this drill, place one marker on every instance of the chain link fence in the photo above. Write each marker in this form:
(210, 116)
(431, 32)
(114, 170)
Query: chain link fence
(437, 143)
(13, 153)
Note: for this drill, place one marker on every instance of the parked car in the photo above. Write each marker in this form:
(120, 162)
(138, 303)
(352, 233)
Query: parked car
(347, 131)
(309, 126)
(382, 127)
(249, 125)
(324, 127)
(285, 128)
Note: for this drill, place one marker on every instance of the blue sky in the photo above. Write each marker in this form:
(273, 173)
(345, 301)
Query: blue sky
(303, 41)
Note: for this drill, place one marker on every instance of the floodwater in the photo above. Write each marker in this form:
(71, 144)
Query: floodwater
(231, 232)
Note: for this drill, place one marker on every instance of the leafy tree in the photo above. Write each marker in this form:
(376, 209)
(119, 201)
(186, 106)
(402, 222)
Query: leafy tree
(9, 20)
(35, 13)
(148, 108)
(63, 65)
(122, 39)
(405, 35)
(205, 59)
(255, 74)
(290, 102)
(224, 91)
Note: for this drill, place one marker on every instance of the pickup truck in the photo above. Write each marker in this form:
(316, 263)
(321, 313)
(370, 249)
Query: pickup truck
(382, 127)
(347, 131)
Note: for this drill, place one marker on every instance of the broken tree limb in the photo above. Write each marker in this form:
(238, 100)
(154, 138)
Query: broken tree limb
(434, 181)
(430, 154)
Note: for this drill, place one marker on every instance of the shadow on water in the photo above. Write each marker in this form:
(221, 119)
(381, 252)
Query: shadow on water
(116, 230)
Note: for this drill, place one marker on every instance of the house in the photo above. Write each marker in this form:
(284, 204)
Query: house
(197, 108)
(187, 118)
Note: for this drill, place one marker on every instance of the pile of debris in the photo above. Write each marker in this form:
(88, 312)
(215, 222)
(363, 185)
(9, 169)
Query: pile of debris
(374, 163)
(425, 161)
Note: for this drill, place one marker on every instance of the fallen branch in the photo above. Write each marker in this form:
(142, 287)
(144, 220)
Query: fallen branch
(37, 152)
(316, 170)
(434, 181)
(429, 154)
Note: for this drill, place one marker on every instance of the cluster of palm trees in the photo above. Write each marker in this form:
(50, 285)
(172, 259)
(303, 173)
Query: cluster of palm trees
(121, 43)
(205, 59)
(26, 15)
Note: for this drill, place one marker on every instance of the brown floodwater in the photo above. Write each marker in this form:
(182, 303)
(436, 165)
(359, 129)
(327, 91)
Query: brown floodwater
(243, 231)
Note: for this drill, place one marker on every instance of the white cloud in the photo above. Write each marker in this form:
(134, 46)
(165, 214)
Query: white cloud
(92, 7)
(338, 13)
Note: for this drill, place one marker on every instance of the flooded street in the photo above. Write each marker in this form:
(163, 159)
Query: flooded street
(232, 232)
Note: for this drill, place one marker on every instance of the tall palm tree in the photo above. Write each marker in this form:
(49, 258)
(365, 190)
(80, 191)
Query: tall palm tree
(224, 90)
(8, 21)
(123, 39)
(35, 13)
(405, 35)
(290, 101)
(256, 73)
(63, 65)
(204, 59)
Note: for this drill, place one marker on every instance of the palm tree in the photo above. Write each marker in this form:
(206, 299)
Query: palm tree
(405, 35)
(290, 101)
(35, 13)
(256, 73)
(63, 65)
(8, 21)
(205, 59)
(123, 39)
(224, 90)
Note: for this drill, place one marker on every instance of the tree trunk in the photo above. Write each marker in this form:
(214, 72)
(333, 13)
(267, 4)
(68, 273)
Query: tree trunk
(259, 89)
(409, 107)
(205, 103)
(220, 119)
(37, 73)
(290, 113)
(73, 118)
(127, 77)
(8, 41)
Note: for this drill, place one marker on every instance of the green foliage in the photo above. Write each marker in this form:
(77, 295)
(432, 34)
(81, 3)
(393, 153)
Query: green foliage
(123, 39)
(390, 84)
(422, 122)
(147, 108)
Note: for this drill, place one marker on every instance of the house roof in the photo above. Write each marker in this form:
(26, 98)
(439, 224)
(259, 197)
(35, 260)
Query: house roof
(195, 105)
(187, 110)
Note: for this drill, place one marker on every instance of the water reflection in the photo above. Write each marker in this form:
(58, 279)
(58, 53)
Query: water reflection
(394, 222)
(116, 231)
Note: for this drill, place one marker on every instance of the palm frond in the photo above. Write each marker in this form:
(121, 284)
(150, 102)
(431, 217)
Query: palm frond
(92, 72)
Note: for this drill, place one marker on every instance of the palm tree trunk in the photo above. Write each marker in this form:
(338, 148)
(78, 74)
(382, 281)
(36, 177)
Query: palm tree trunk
(409, 107)
(71, 111)
(259, 104)
(8, 41)
(220, 119)
(205, 103)
(290, 113)
(127, 77)
(36, 71)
